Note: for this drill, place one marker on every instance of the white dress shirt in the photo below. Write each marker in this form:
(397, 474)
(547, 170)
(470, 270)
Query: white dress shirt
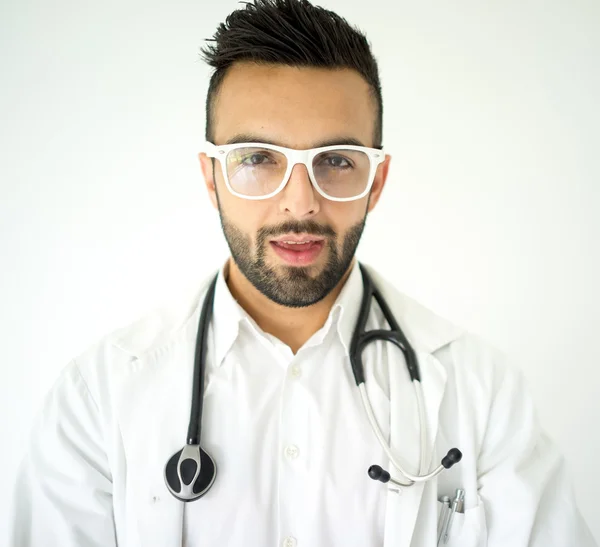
(289, 435)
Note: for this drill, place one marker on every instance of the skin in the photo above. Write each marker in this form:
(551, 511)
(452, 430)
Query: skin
(295, 107)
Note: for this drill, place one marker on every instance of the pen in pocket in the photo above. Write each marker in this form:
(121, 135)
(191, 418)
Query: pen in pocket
(444, 514)
(456, 502)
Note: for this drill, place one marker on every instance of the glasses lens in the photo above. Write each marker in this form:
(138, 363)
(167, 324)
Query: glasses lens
(342, 173)
(339, 173)
(255, 171)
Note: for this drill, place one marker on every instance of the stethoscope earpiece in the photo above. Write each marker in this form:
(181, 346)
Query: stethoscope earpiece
(454, 456)
(190, 473)
(377, 473)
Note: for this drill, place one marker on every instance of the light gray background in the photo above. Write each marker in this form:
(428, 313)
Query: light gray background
(490, 214)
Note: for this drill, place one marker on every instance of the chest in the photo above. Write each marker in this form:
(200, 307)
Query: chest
(293, 447)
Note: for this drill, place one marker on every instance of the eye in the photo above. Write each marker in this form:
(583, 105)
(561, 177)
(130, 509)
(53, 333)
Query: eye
(339, 162)
(256, 158)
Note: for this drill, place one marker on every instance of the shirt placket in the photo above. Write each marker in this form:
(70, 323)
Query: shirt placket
(292, 446)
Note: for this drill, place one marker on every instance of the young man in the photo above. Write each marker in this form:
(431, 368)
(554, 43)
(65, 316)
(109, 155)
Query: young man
(283, 420)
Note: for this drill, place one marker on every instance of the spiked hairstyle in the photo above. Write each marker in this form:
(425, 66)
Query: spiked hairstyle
(294, 33)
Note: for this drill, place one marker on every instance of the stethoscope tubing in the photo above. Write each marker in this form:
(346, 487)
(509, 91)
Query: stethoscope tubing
(194, 428)
(386, 447)
(397, 338)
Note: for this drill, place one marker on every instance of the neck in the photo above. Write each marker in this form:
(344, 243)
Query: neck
(293, 326)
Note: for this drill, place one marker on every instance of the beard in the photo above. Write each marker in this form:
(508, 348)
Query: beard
(292, 286)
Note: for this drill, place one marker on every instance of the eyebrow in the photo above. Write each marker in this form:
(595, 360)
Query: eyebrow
(250, 137)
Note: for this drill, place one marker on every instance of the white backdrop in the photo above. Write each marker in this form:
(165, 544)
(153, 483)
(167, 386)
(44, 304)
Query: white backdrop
(489, 217)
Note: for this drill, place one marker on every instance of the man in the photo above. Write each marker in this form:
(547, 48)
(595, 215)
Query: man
(282, 417)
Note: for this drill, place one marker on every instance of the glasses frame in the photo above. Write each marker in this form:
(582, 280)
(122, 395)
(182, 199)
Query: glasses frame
(294, 157)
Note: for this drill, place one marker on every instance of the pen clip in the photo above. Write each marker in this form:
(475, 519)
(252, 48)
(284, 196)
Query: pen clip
(460, 497)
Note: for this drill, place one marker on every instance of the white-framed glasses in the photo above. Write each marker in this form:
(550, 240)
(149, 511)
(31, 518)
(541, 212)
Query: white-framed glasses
(254, 170)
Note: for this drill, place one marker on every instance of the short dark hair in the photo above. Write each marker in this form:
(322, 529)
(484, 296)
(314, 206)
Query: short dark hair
(293, 33)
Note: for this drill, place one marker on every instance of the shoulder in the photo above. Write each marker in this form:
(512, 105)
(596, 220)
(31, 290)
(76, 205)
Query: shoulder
(426, 330)
(463, 353)
(476, 361)
(159, 326)
(114, 354)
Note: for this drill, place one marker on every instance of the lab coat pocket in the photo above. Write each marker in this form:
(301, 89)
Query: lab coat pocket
(467, 529)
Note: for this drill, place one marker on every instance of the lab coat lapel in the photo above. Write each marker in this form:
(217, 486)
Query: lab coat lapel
(153, 415)
(426, 332)
(403, 507)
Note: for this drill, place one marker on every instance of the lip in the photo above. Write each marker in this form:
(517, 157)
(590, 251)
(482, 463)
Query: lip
(297, 238)
(293, 257)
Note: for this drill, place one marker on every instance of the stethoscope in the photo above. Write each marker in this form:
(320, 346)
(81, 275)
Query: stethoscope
(191, 472)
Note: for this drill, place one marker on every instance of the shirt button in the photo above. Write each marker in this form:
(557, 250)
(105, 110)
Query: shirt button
(296, 371)
(289, 542)
(291, 451)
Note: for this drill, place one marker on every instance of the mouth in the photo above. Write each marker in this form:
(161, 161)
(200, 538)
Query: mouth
(298, 249)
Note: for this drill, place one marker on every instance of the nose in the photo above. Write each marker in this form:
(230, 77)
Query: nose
(299, 198)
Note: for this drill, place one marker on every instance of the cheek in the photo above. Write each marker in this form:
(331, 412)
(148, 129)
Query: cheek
(247, 216)
(345, 215)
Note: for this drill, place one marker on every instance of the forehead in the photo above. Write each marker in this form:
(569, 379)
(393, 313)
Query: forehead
(296, 107)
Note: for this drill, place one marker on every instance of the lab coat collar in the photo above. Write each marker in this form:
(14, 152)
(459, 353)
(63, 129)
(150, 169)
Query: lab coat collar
(425, 330)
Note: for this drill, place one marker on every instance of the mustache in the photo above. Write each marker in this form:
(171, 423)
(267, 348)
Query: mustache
(290, 227)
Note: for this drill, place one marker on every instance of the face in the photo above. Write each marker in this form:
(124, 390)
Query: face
(296, 108)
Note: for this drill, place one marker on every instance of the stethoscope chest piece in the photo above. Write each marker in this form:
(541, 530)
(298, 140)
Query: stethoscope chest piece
(190, 473)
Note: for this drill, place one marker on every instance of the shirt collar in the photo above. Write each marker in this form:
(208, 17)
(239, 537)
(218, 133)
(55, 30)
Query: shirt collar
(228, 314)
(347, 306)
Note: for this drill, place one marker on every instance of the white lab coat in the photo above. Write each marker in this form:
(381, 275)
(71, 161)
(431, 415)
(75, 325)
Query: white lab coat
(93, 475)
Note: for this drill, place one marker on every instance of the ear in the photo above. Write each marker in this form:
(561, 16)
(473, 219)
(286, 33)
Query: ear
(207, 172)
(379, 182)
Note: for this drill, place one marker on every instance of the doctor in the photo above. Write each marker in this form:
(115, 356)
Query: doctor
(282, 416)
